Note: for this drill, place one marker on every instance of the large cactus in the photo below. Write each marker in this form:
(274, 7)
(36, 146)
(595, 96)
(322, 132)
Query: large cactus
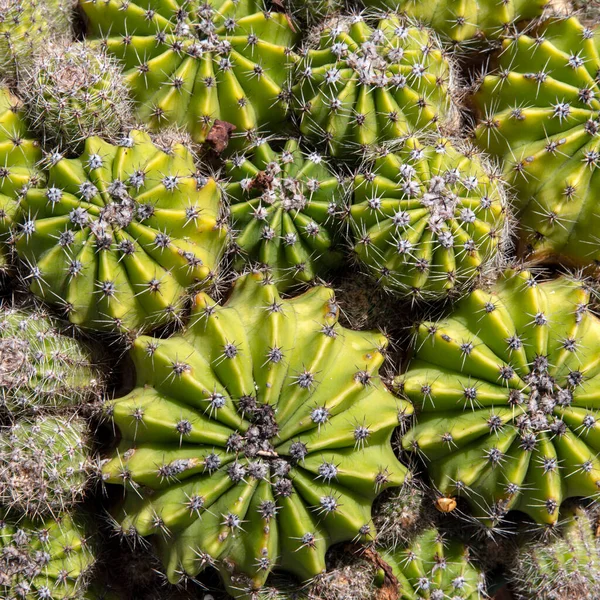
(539, 112)
(256, 439)
(508, 389)
(121, 232)
(192, 63)
(359, 85)
(283, 205)
(428, 217)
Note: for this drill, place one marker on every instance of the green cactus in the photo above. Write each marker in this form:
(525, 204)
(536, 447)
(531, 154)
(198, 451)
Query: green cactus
(193, 63)
(121, 232)
(434, 568)
(560, 567)
(427, 217)
(45, 464)
(506, 388)
(42, 368)
(357, 86)
(44, 559)
(539, 112)
(74, 91)
(283, 205)
(463, 20)
(250, 442)
(313, 11)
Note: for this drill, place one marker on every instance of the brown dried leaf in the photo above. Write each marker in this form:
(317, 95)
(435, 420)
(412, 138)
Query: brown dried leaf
(219, 135)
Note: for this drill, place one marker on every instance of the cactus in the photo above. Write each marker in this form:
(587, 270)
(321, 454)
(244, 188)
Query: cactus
(434, 568)
(358, 86)
(560, 567)
(44, 559)
(193, 65)
(506, 388)
(120, 233)
(250, 441)
(427, 217)
(42, 368)
(539, 112)
(312, 12)
(72, 92)
(45, 464)
(283, 204)
(463, 20)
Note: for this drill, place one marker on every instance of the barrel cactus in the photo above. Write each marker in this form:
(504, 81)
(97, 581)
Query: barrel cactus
(192, 64)
(250, 441)
(506, 389)
(45, 464)
(539, 112)
(74, 91)
(120, 233)
(283, 205)
(357, 85)
(49, 559)
(463, 20)
(427, 217)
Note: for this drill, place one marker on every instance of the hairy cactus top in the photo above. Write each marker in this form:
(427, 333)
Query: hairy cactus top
(46, 559)
(40, 367)
(283, 204)
(461, 20)
(539, 112)
(561, 567)
(121, 232)
(360, 86)
(74, 91)
(190, 64)
(256, 439)
(508, 388)
(428, 217)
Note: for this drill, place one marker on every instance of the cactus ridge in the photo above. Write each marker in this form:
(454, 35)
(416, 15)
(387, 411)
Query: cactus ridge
(357, 85)
(539, 112)
(248, 443)
(190, 63)
(428, 217)
(506, 388)
(284, 205)
(121, 232)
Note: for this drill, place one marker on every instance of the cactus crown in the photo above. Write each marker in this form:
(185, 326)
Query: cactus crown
(240, 450)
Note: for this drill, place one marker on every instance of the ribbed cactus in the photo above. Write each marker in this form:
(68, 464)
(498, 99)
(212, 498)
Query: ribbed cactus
(561, 567)
(74, 91)
(257, 438)
(507, 389)
(283, 206)
(193, 63)
(41, 367)
(45, 464)
(539, 111)
(121, 232)
(463, 20)
(44, 559)
(428, 217)
(357, 85)
(434, 568)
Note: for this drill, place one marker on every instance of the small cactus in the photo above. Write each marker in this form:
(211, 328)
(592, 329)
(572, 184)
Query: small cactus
(42, 368)
(563, 566)
(194, 64)
(283, 205)
(250, 441)
(428, 217)
(47, 559)
(357, 86)
(506, 392)
(45, 464)
(120, 233)
(539, 112)
(74, 91)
